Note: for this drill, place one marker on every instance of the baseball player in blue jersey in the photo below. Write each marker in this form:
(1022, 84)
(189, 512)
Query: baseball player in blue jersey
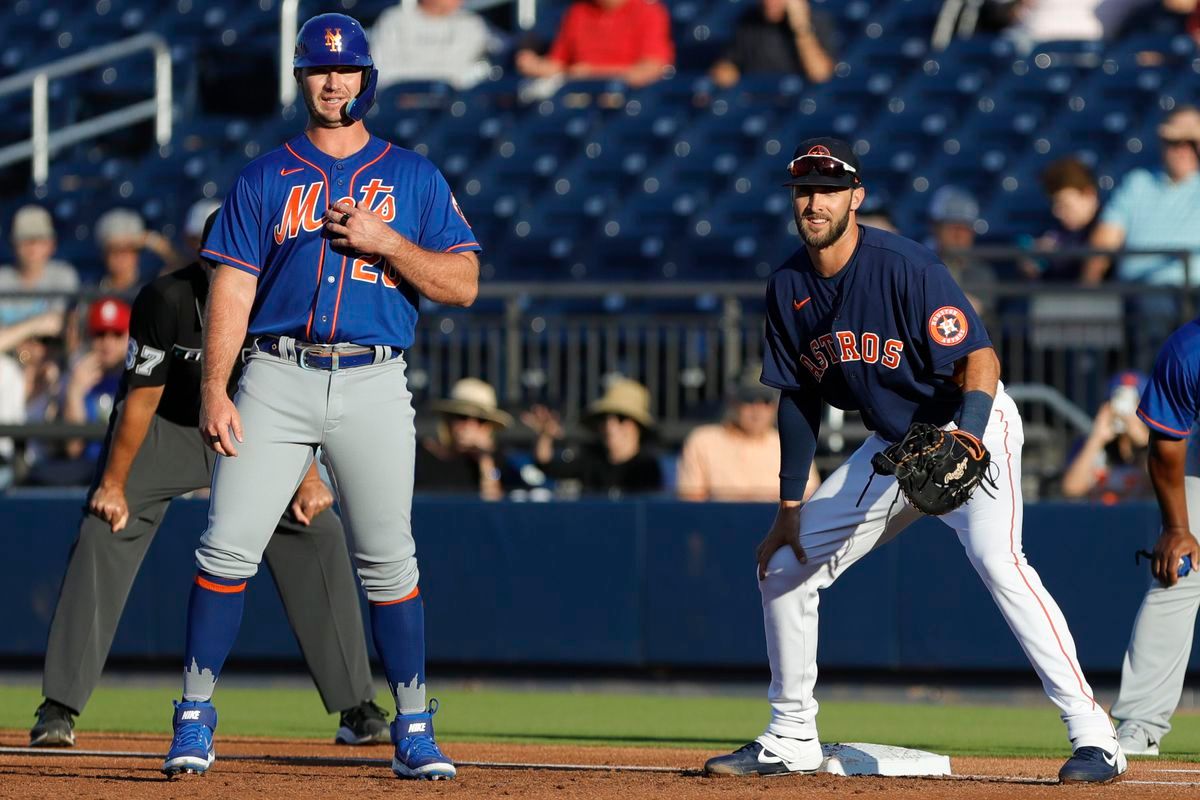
(869, 321)
(324, 246)
(1157, 657)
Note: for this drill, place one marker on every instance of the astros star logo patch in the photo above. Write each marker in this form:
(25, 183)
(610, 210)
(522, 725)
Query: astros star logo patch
(948, 326)
(818, 150)
(333, 39)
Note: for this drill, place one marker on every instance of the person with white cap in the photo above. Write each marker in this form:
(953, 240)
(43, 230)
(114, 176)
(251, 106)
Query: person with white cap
(193, 226)
(464, 457)
(122, 236)
(35, 270)
(953, 215)
(619, 463)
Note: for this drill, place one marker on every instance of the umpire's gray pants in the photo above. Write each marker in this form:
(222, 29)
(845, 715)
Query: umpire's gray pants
(310, 565)
(1157, 659)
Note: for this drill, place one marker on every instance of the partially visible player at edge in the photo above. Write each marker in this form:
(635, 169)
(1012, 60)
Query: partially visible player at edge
(1156, 660)
(324, 246)
(869, 321)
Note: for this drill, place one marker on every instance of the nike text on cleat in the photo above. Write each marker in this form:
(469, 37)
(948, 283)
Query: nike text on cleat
(1093, 765)
(417, 754)
(755, 759)
(192, 745)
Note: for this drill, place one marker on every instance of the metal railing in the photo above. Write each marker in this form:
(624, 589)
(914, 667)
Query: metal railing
(42, 142)
(289, 25)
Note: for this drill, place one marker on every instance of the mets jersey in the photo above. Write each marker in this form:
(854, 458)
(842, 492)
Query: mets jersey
(1171, 402)
(271, 226)
(879, 337)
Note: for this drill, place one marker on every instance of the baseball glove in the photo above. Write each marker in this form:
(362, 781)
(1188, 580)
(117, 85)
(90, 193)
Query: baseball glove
(937, 470)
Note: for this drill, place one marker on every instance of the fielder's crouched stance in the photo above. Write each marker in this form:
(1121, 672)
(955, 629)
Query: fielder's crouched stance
(867, 320)
(324, 245)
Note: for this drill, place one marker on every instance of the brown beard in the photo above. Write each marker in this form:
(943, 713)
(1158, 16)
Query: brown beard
(820, 241)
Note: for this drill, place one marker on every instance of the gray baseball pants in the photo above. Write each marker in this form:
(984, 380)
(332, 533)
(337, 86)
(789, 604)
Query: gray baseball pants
(310, 566)
(363, 420)
(1157, 658)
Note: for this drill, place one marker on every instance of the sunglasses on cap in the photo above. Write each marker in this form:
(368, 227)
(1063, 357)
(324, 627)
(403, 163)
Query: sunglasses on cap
(825, 166)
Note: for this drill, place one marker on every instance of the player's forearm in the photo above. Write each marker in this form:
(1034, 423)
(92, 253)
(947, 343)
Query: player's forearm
(133, 422)
(981, 372)
(799, 422)
(225, 320)
(1166, 464)
(447, 278)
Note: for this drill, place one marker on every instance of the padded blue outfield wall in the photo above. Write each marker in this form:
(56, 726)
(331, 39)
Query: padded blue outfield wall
(628, 584)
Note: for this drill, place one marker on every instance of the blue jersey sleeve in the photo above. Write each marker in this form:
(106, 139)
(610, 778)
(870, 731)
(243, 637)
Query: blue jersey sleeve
(1169, 403)
(950, 327)
(236, 237)
(781, 364)
(444, 227)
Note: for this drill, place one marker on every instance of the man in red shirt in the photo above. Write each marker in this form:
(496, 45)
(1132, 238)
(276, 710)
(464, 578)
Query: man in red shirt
(629, 40)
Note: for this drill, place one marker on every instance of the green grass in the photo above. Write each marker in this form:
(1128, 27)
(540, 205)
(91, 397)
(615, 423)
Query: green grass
(707, 723)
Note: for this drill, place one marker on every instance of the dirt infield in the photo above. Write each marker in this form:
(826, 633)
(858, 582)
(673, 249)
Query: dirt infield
(287, 768)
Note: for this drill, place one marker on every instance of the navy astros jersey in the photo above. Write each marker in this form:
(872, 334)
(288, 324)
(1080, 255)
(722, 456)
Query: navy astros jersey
(880, 337)
(1171, 401)
(271, 226)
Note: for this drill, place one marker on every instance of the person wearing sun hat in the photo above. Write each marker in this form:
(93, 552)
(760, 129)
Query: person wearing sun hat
(619, 462)
(464, 457)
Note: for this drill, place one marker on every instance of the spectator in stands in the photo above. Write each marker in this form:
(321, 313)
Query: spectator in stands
(1037, 21)
(36, 270)
(464, 457)
(1075, 203)
(738, 459)
(193, 226)
(122, 236)
(431, 40)
(12, 412)
(780, 37)
(619, 464)
(1110, 466)
(1155, 210)
(1192, 9)
(628, 40)
(953, 215)
(90, 392)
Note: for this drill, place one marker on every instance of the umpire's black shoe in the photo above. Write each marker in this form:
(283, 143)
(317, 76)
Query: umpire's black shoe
(55, 726)
(755, 759)
(1093, 765)
(366, 723)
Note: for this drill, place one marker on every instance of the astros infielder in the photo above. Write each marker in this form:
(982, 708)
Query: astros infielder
(869, 321)
(324, 246)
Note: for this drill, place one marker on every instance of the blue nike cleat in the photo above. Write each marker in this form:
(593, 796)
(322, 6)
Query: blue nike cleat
(756, 758)
(192, 748)
(1093, 765)
(417, 754)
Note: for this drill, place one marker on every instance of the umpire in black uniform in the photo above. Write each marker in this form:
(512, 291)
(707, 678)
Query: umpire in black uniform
(153, 454)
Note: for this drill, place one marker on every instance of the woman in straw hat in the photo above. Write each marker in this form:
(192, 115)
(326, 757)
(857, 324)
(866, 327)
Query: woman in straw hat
(619, 463)
(464, 457)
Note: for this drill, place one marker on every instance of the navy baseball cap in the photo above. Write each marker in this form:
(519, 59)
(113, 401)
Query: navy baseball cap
(824, 161)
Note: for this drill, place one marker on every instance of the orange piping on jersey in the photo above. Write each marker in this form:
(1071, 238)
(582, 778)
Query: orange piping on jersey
(416, 591)
(342, 278)
(321, 258)
(1012, 549)
(1159, 425)
(460, 246)
(230, 258)
(221, 588)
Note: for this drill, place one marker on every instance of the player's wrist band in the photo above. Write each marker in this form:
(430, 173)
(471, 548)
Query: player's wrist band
(974, 412)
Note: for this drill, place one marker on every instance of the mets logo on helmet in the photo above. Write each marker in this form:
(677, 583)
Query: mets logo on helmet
(818, 150)
(333, 39)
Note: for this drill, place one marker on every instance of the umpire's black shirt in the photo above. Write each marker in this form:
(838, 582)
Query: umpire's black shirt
(166, 332)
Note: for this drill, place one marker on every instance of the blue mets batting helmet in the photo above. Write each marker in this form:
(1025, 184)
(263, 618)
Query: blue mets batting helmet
(338, 40)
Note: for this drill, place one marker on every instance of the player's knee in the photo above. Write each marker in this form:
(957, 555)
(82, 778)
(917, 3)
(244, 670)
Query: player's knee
(784, 573)
(390, 580)
(225, 563)
(996, 564)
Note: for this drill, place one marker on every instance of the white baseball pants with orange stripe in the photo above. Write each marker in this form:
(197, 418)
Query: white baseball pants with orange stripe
(835, 532)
